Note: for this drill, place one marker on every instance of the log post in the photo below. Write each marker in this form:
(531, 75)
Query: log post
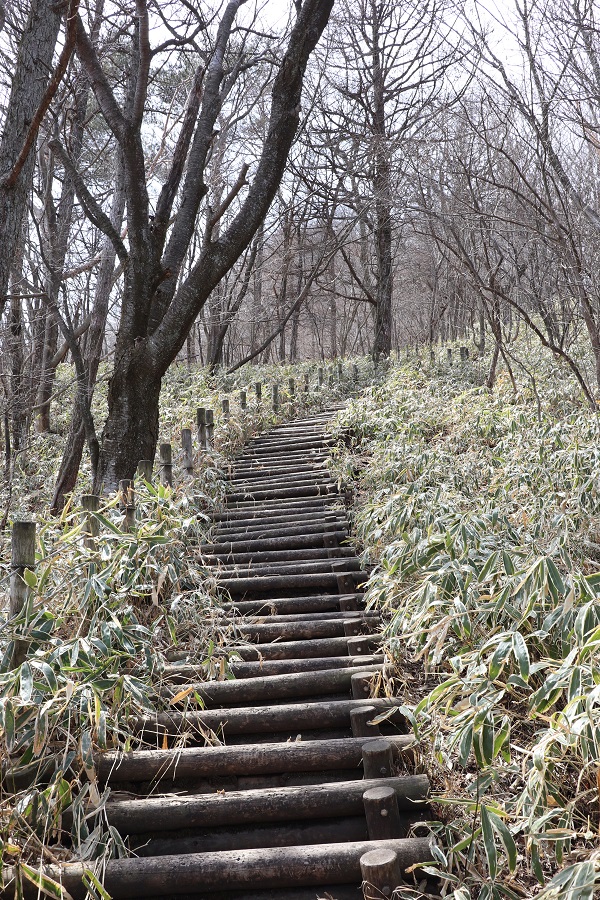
(188, 452)
(464, 354)
(127, 502)
(243, 400)
(358, 646)
(166, 465)
(377, 759)
(361, 686)
(381, 873)
(354, 372)
(22, 547)
(382, 813)
(432, 356)
(258, 391)
(349, 603)
(331, 380)
(306, 382)
(320, 376)
(210, 429)
(449, 355)
(340, 372)
(345, 581)
(201, 425)
(144, 469)
(90, 504)
(225, 408)
(292, 388)
(352, 627)
(359, 721)
(275, 396)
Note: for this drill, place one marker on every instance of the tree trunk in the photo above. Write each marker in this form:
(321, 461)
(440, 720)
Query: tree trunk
(31, 76)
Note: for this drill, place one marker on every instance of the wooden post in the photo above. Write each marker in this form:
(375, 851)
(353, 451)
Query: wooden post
(331, 380)
(258, 390)
(22, 547)
(352, 627)
(359, 721)
(348, 603)
(306, 382)
(275, 396)
(243, 400)
(464, 354)
(210, 429)
(449, 355)
(292, 384)
(201, 424)
(127, 502)
(144, 469)
(225, 408)
(381, 873)
(354, 372)
(320, 376)
(166, 465)
(90, 504)
(361, 686)
(377, 759)
(345, 581)
(188, 452)
(382, 813)
(340, 372)
(432, 356)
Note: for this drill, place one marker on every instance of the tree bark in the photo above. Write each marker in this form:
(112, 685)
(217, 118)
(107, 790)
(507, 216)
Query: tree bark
(31, 77)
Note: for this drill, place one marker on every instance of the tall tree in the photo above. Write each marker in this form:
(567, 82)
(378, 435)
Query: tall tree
(159, 306)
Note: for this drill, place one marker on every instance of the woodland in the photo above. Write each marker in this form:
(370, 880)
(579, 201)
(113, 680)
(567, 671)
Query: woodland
(198, 196)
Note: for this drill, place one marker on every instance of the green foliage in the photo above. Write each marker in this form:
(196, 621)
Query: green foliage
(481, 514)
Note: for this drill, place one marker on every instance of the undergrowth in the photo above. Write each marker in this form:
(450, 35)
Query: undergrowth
(481, 515)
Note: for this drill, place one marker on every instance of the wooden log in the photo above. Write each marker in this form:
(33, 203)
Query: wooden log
(314, 489)
(291, 542)
(378, 759)
(381, 872)
(298, 717)
(292, 631)
(270, 530)
(258, 391)
(127, 502)
(360, 722)
(343, 798)
(346, 582)
(288, 605)
(275, 396)
(183, 763)
(265, 868)
(166, 465)
(282, 834)
(90, 504)
(292, 387)
(323, 580)
(225, 409)
(249, 486)
(188, 452)
(382, 813)
(320, 376)
(315, 512)
(243, 400)
(306, 382)
(144, 469)
(312, 567)
(349, 602)
(339, 891)
(236, 560)
(274, 687)
(353, 627)
(250, 669)
(201, 426)
(294, 649)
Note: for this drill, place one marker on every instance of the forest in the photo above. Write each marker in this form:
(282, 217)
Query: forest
(388, 209)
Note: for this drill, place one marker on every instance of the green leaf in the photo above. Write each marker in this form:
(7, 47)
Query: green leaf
(30, 579)
(488, 842)
(43, 882)
(26, 679)
(521, 654)
(506, 838)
